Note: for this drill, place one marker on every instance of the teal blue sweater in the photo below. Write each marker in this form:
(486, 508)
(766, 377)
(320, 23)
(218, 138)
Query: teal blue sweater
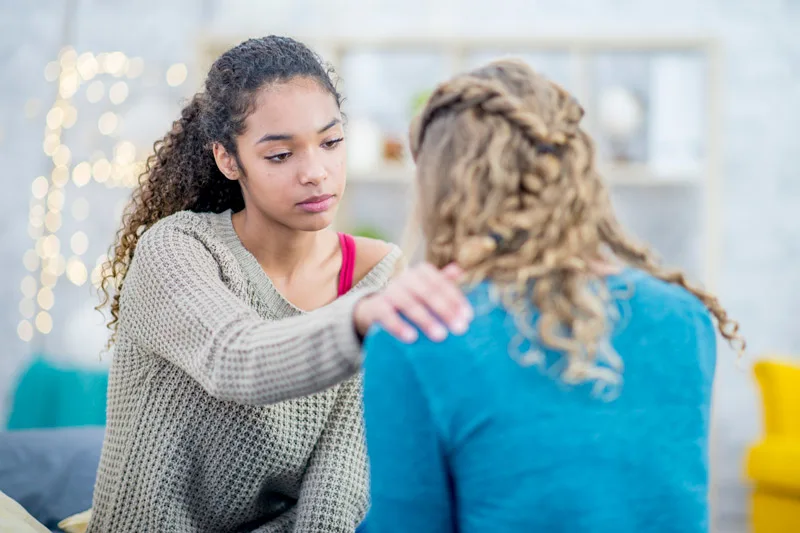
(462, 437)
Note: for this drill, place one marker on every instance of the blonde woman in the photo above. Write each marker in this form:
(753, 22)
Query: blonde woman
(578, 401)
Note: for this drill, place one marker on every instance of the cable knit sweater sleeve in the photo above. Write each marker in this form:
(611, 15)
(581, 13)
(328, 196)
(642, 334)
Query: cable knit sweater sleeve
(176, 305)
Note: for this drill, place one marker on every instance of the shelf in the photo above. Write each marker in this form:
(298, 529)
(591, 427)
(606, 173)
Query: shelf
(614, 175)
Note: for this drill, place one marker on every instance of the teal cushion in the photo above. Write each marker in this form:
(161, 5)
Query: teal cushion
(52, 395)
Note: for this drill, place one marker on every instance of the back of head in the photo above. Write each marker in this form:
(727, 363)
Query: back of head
(508, 189)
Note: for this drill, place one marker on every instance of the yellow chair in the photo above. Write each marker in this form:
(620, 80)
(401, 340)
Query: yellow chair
(774, 463)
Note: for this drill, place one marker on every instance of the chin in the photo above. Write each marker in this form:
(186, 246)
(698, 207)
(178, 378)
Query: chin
(316, 222)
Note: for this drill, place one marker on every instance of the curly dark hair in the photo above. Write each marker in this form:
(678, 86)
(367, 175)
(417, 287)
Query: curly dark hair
(182, 173)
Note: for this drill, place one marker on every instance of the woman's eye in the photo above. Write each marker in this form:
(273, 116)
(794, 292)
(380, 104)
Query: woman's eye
(332, 143)
(279, 158)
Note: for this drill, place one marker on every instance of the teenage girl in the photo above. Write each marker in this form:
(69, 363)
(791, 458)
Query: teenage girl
(578, 401)
(234, 402)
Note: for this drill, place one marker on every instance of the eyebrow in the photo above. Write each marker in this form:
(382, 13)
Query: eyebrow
(287, 137)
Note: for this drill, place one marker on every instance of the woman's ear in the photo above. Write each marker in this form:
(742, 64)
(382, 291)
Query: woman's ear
(226, 162)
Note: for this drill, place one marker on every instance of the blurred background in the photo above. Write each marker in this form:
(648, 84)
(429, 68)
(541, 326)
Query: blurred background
(693, 103)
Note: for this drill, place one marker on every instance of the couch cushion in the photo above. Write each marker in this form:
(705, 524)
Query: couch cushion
(50, 472)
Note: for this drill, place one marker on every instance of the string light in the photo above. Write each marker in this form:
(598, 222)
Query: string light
(70, 117)
(44, 323)
(44, 261)
(30, 261)
(176, 74)
(107, 123)
(101, 170)
(76, 271)
(118, 92)
(60, 176)
(51, 71)
(79, 243)
(39, 187)
(28, 286)
(87, 66)
(25, 331)
(46, 298)
(52, 221)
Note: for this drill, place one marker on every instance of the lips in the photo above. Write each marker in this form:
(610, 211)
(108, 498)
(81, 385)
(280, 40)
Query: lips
(316, 204)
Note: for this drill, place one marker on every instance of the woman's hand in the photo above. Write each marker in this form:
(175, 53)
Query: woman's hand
(425, 296)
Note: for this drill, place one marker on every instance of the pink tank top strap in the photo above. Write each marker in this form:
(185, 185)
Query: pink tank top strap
(348, 244)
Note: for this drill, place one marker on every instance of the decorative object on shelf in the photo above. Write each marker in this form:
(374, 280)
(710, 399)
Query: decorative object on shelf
(393, 149)
(621, 116)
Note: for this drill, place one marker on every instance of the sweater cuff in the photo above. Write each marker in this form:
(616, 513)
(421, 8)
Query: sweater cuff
(348, 339)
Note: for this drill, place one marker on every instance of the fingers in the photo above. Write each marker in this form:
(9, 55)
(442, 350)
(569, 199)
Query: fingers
(452, 272)
(435, 291)
(408, 301)
(392, 322)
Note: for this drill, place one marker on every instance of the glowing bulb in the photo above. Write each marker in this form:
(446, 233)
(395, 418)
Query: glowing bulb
(70, 117)
(62, 155)
(27, 308)
(55, 265)
(68, 85)
(97, 275)
(44, 323)
(52, 221)
(46, 298)
(118, 92)
(28, 286)
(39, 187)
(48, 279)
(80, 209)
(30, 261)
(107, 123)
(76, 271)
(25, 331)
(101, 170)
(52, 70)
(79, 243)
(95, 91)
(55, 117)
(60, 176)
(135, 67)
(51, 142)
(82, 174)
(87, 66)
(55, 200)
(115, 63)
(125, 153)
(51, 246)
(176, 74)
(67, 56)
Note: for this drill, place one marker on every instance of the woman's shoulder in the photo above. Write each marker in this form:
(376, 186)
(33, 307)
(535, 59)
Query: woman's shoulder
(376, 261)
(185, 226)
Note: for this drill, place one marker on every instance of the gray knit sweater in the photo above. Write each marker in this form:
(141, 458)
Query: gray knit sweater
(223, 416)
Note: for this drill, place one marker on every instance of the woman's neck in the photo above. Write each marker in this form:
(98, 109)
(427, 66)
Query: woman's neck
(280, 251)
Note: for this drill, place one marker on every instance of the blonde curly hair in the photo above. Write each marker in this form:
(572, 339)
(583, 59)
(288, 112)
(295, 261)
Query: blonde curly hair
(508, 189)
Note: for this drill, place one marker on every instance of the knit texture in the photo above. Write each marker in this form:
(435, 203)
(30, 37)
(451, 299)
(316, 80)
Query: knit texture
(229, 409)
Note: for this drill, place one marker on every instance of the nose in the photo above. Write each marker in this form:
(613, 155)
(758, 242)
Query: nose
(312, 171)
